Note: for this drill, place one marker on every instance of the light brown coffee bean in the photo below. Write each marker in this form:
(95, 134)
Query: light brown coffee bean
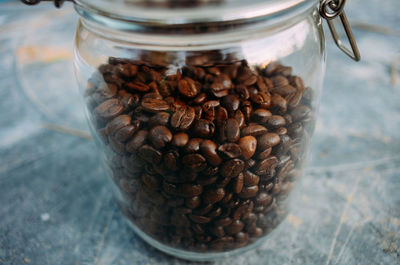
(248, 145)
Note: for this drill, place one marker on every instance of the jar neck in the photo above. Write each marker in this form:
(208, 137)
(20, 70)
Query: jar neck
(189, 34)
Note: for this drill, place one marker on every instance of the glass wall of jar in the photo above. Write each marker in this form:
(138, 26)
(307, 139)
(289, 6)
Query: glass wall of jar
(204, 123)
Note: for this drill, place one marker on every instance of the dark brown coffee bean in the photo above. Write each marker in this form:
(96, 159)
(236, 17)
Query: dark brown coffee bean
(261, 115)
(254, 130)
(182, 118)
(193, 202)
(232, 168)
(231, 130)
(223, 221)
(209, 109)
(212, 196)
(300, 112)
(276, 121)
(248, 145)
(264, 166)
(222, 243)
(193, 145)
(126, 133)
(217, 231)
(221, 83)
(242, 92)
(281, 131)
(263, 100)
(221, 116)
(209, 150)
(154, 105)
(189, 190)
(187, 87)
(279, 103)
(137, 86)
(264, 153)
(199, 219)
(250, 163)
(215, 212)
(118, 123)
(231, 103)
(128, 100)
(151, 181)
(138, 140)
(263, 199)
(150, 154)
(170, 160)
(109, 109)
(279, 81)
(230, 150)
(250, 179)
(268, 140)
(235, 227)
(206, 180)
(200, 99)
(180, 139)
(204, 209)
(194, 162)
(160, 118)
(248, 192)
(237, 183)
(204, 128)
(160, 136)
(152, 95)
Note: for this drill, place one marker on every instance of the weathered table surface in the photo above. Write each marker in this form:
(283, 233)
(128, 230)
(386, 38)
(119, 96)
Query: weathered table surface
(56, 209)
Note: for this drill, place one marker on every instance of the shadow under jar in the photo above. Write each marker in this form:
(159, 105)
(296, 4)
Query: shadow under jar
(203, 112)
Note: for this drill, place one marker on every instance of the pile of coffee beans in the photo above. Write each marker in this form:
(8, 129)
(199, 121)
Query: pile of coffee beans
(205, 154)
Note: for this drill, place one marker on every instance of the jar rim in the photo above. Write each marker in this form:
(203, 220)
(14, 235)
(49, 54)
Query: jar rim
(210, 11)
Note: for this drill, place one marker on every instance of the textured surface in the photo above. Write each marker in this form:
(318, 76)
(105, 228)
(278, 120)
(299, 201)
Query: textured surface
(56, 208)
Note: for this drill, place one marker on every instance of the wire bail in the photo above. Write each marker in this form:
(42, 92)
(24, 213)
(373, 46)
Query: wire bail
(330, 9)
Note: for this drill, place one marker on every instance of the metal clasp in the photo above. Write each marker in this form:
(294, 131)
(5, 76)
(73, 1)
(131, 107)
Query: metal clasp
(330, 9)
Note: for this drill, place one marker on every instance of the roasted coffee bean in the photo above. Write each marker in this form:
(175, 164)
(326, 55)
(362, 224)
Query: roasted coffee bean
(199, 219)
(209, 150)
(183, 118)
(266, 165)
(279, 103)
(204, 128)
(263, 199)
(200, 99)
(300, 112)
(239, 116)
(160, 136)
(250, 179)
(138, 140)
(189, 190)
(150, 154)
(204, 209)
(264, 153)
(268, 140)
(180, 139)
(221, 116)
(231, 103)
(237, 183)
(232, 168)
(235, 227)
(230, 150)
(231, 130)
(193, 145)
(276, 121)
(215, 212)
(160, 118)
(118, 123)
(151, 181)
(248, 145)
(187, 87)
(261, 115)
(195, 162)
(154, 105)
(127, 132)
(109, 109)
(170, 160)
(137, 87)
(263, 100)
(212, 196)
(193, 202)
(254, 130)
(217, 231)
(223, 221)
(209, 109)
(222, 243)
(248, 192)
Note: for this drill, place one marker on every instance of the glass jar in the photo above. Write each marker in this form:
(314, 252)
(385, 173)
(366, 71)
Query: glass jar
(203, 111)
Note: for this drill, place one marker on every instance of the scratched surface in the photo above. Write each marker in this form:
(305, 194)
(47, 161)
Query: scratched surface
(57, 209)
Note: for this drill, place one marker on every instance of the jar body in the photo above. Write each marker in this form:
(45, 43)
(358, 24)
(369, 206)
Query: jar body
(203, 143)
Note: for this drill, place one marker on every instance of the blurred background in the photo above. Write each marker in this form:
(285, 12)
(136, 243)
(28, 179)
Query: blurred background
(55, 209)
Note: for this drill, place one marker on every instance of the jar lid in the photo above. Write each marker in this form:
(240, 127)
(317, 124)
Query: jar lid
(177, 12)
